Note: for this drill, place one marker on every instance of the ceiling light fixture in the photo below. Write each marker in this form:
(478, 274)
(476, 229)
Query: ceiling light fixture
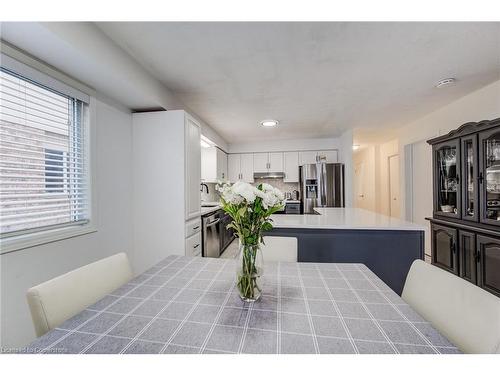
(355, 147)
(445, 82)
(269, 123)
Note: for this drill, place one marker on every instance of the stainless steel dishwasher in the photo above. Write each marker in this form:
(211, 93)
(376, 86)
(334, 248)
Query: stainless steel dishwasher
(211, 235)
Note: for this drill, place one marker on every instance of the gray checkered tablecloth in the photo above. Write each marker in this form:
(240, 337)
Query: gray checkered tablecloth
(190, 305)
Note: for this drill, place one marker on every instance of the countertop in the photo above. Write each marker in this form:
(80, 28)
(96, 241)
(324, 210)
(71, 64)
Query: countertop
(344, 218)
(208, 210)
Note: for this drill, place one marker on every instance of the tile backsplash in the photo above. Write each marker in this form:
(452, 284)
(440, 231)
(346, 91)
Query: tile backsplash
(285, 187)
(213, 195)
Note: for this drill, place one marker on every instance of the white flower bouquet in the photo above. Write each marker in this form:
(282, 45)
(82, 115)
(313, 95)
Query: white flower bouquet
(250, 208)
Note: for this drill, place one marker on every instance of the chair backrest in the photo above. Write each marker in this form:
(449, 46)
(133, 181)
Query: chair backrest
(56, 300)
(279, 249)
(464, 313)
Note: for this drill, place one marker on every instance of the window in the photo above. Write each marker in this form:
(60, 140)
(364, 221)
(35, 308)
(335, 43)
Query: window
(44, 179)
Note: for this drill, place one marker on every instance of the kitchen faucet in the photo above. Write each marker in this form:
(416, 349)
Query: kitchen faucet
(202, 186)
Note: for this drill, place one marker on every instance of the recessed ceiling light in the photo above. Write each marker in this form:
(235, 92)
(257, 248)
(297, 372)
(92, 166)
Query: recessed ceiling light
(355, 147)
(269, 123)
(445, 82)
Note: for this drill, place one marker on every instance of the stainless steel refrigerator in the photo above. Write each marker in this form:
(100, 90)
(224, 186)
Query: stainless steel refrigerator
(321, 185)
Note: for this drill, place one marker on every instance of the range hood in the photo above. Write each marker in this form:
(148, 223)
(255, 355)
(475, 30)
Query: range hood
(269, 175)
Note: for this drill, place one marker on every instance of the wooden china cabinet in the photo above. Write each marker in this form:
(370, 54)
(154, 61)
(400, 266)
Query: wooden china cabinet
(465, 227)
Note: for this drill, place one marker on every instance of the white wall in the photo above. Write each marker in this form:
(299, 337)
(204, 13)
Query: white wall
(28, 267)
(483, 104)
(386, 150)
(345, 157)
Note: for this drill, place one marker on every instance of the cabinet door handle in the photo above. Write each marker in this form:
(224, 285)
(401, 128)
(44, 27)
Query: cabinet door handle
(480, 178)
(195, 246)
(477, 255)
(196, 227)
(453, 247)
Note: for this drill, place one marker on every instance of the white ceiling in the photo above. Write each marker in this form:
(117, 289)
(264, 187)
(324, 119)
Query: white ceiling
(317, 79)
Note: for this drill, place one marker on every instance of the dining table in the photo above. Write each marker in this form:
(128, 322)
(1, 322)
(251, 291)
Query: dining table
(191, 305)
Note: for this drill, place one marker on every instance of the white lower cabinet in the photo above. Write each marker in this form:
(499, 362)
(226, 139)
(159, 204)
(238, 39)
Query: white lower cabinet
(193, 226)
(193, 245)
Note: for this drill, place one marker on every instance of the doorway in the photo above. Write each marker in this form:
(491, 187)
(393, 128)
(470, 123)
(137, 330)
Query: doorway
(394, 203)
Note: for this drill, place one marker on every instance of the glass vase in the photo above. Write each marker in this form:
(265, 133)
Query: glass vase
(249, 272)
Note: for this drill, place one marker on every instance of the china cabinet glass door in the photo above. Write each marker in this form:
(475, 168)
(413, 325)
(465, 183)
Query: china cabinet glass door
(447, 179)
(489, 148)
(470, 196)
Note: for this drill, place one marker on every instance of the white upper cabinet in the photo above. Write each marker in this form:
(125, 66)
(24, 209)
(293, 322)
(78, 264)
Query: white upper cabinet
(307, 157)
(213, 165)
(208, 164)
(233, 167)
(260, 162)
(275, 162)
(268, 162)
(192, 167)
(291, 166)
(329, 156)
(240, 167)
(312, 157)
(221, 165)
(247, 167)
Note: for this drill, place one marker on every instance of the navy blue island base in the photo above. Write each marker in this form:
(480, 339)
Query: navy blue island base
(388, 253)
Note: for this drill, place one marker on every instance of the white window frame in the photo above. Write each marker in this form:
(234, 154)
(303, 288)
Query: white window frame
(33, 69)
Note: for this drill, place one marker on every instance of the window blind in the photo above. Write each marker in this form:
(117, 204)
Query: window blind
(43, 162)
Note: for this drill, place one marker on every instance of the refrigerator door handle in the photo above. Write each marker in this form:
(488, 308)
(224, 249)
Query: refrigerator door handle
(322, 184)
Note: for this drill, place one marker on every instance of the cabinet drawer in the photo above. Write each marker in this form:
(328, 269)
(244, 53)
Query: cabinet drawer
(193, 245)
(192, 227)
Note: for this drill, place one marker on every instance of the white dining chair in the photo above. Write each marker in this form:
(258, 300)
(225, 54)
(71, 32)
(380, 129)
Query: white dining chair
(279, 249)
(58, 299)
(464, 313)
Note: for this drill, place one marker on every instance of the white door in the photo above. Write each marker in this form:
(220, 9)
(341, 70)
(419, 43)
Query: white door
(261, 162)
(329, 156)
(247, 167)
(394, 185)
(291, 166)
(193, 168)
(233, 167)
(359, 187)
(307, 157)
(276, 162)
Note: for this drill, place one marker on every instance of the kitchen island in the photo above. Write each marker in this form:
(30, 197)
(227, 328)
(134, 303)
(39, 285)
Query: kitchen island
(385, 244)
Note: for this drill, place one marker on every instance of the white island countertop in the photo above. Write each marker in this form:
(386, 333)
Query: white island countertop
(343, 218)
